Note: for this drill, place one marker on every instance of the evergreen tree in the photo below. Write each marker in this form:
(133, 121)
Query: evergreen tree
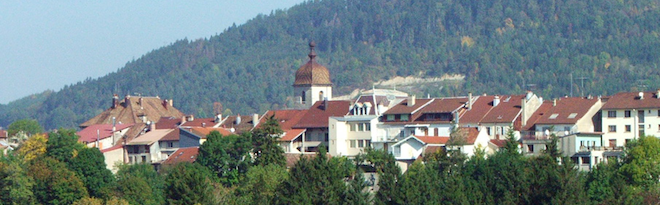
(89, 165)
(228, 157)
(266, 147)
(140, 184)
(188, 183)
(357, 193)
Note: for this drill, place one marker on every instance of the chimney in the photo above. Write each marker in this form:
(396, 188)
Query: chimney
(114, 124)
(152, 126)
(203, 124)
(238, 119)
(469, 103)
(141, 107)
(411, 100)
(191, 117)
(255, 119)
(165, 104)
(171, 101)
(218, 118)
(641, 95)
(496, 101)
(115, 101)
(183, 119)
(554, 102)
(524, 114)
(127, 100)
(529, 95)
(657, 93)
(325, 103)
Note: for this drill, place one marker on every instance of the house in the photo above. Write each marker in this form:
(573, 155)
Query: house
(146, 149)
(561, 117)
(315, 123)
(586, 149)
(188, 154)
(628, 115)
(465, 140)
(196, 136)
(4, 135)
(291, 139)
(239, 124)
(134, 110)
(103, 136)
(497, 114)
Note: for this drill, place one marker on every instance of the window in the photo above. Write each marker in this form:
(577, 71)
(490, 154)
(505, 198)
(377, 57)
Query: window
(628, 128)
(530, 148)
(367, 126)
(612, 142)
(640, 116)
(367, 143)
(488, 130)
(320, 95)
(352, 127)
(390, 117)
(612, 128)
(303, 96)
(572, 115)
(567, 128)
(554, 116)
(658, 113)
(626, 113)
(360, 143)
(404, 117)
(611, 113)
(586, 160)
(352, 143)
(360, 127)
(641, 130)
(437, 132)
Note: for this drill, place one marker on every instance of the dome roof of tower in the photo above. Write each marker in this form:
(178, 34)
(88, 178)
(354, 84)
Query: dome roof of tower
(312, 73)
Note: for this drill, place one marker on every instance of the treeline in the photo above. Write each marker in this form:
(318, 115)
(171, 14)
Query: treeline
(553, 47)
(251, 169)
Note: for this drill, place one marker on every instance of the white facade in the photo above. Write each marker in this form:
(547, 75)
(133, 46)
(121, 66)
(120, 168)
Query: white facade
(307, 95)
(622, 125)
(349, 135)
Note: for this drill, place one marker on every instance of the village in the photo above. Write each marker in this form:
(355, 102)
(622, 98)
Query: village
(591, 129)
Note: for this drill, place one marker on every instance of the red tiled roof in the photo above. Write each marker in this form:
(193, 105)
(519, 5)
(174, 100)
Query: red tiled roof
(507, 111)
(403, 108)
(130, 109)
(188, 154)
(537, 115)
(565, 107)
(440, 105)
(203, 131)
(631, 100)
(317, 115)
(150, 137)
(481, 105)
(168, 123)
(172, 136)
(498, 142)
(4, 134)
(291, 134)
(116, 147)
(433, 139)
(198, 122)
(89, 134)
(286, 118)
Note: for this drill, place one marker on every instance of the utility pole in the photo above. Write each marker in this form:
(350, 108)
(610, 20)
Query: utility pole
(571, 76)
(582, 84)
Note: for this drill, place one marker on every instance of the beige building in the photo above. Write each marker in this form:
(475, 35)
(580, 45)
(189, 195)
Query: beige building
(626, 116)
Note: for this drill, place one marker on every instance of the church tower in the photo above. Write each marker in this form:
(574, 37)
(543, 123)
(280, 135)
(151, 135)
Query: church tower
(312, 81)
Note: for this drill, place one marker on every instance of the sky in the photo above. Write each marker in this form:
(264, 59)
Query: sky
(45, 45)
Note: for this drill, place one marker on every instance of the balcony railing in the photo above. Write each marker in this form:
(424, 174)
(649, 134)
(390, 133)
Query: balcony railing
(534, 135)
(599, 148)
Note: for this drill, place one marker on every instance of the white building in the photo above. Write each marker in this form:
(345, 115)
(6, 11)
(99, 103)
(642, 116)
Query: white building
(626, 116)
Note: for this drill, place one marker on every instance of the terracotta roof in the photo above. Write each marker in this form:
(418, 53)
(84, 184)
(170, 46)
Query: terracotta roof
(245, 124)
(291, 134)
(4, 134)
(116, 147)
(481, 105)
(105, 130)
(440, 105)
(471, 133)
(168, 123)
(631, 100)
(198, 122)
(317, 115)
(433, 149)
(432, 139)
(293, 158)
(312, 73)
(483, 111)
(172, 136)
(188, 154)
(130, 109)
(537, 115)
(286, 118)
(567, 111)
(133, 132)
(203, 131)
(498, 142)
(150, 137)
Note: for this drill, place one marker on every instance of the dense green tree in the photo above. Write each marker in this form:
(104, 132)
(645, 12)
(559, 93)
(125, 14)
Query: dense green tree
(266, 146)
(89, 165)
(640, 162)
(54, 182)
(357, 192)
(63, 145)
(27, 126)
(315, 181)
(15, 184)
(227, 156)
(140, 184)
(261, 183)
(187, 183)
(388, 174)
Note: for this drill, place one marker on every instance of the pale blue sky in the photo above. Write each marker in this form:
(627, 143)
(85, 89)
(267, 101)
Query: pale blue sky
(49, 44)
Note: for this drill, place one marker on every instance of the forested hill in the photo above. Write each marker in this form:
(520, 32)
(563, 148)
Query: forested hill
(499, 45)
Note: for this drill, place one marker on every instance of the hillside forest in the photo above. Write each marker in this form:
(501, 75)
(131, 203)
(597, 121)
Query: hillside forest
(552, 47)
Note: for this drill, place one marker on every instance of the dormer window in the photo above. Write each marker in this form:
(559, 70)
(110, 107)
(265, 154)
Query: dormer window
(404, 117)
(390, 117)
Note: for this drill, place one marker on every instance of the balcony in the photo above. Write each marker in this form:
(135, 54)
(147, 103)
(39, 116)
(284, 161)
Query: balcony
(585, 149)
(534, 135)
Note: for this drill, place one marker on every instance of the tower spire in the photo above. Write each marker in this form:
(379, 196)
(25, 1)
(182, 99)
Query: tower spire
(312, 54)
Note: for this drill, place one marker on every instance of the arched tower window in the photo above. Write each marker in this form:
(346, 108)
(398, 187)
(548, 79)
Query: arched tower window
(303, 97)
(320, 95)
